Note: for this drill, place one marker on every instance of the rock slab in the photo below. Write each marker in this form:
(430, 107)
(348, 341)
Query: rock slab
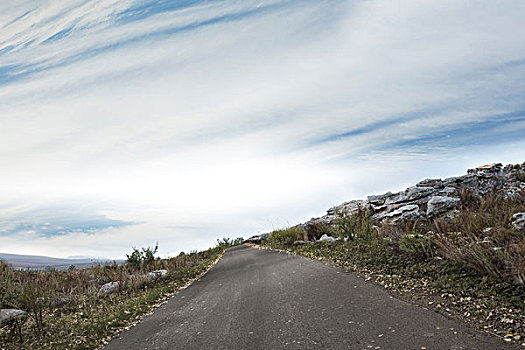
(431, 198)
(9, 315)
(518, 221)
(108, 288)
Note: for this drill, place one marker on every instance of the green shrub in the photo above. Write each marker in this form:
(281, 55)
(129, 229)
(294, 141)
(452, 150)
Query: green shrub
(228, 242)
(286, 237)
(356, 225)
(419, 246)
(138, 259)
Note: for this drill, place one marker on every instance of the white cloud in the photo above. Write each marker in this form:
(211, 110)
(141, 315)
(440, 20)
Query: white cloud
(221, 125)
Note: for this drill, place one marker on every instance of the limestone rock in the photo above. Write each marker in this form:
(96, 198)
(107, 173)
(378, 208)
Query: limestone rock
(518, 220)
(348, 207)
(416, 192)
(326, 238)
(61, 300)
(440, 204)
(434, 196)
(108, 288)
(9, 315)
(258, 238)
(435, 183)
(157, 273)
(379, 199)
(404, 213)
(447, 191)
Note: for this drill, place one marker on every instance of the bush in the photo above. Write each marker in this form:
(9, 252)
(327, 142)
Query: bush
(286, 237)
(357, 225)
(139, 259)
(228, 242)
(8, 294)
(419, 246)
(483, 240)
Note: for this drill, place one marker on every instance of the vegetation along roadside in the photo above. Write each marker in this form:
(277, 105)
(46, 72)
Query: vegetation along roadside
(84, 309)
(470, 265)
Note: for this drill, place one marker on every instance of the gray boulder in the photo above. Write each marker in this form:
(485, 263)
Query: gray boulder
(255, 238)
(436, 183)
(440, 204)
(379, 199)
(347, 207)
(447, 191)
(108, 288)
(409, 195)
(396, 198)
(404, 213)
(518, 220)
(328, 219)
(417, 192)
(9, 315)
(157, 273)
(61, 300)
(326, 238)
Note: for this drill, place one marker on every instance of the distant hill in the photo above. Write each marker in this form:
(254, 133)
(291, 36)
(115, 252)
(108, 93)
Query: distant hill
(36, 262)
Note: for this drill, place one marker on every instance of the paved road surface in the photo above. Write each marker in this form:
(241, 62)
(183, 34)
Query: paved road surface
(259, 299)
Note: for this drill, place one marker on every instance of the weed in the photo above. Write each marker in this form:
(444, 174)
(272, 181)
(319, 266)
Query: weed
(481, 238)
(421, 247)
(355, 225)
(469, 200)
(314, 231)
(286, 237)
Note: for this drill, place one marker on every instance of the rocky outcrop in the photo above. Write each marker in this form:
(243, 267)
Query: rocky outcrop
(432, 198)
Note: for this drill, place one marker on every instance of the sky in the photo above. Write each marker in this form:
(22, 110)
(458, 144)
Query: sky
(129, 122)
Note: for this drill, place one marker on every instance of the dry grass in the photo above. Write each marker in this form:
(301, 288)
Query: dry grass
(286, 237)
(65, 312)
(482, 238)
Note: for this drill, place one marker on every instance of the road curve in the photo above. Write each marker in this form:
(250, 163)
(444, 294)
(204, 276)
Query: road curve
(262, 299)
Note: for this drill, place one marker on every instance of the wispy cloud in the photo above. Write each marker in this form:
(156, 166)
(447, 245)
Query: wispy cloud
(196, 119)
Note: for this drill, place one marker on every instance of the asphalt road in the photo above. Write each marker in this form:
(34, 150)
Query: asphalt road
(259, 299)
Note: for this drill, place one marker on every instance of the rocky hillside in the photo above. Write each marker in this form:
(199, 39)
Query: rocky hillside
(432, 197)
(462, 251)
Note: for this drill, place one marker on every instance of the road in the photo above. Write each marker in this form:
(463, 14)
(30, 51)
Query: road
(262, 299)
